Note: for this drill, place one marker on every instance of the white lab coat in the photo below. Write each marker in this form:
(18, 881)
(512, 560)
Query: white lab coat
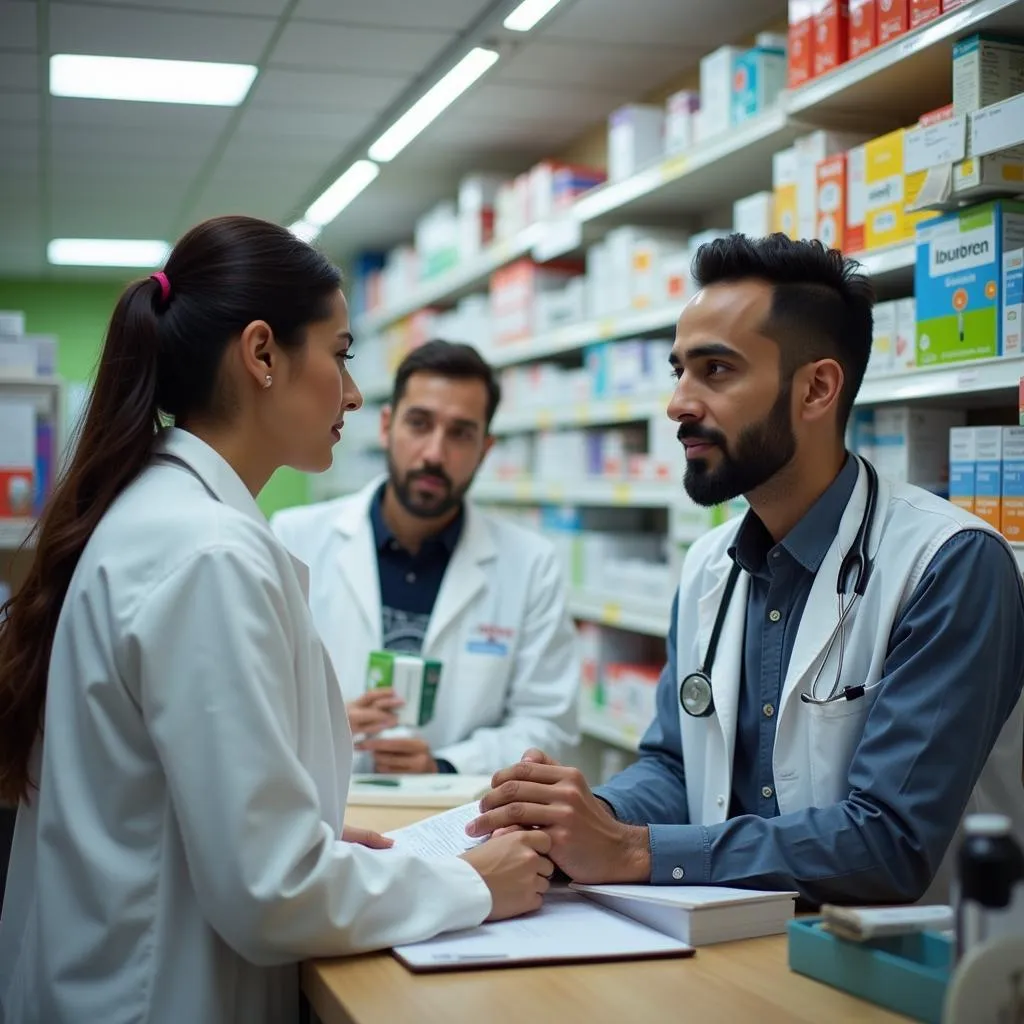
(815, 745)
(182, 853)
(500, 628)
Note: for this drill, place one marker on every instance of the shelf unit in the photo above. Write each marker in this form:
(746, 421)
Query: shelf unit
(650, 617)
(581, 414)
(890, 86)
(601, 727)
(596, 492)
(14, 532)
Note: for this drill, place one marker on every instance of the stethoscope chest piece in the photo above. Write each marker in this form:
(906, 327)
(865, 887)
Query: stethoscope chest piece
(695, 695)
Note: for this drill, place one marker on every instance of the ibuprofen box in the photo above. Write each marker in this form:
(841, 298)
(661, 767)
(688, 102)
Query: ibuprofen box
(958, 281)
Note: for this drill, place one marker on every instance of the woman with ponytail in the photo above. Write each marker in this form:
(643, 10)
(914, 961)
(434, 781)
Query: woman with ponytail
(171, 729)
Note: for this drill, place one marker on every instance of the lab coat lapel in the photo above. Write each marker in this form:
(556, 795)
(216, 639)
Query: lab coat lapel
(727, 670)
(465, 576)
(821, 612)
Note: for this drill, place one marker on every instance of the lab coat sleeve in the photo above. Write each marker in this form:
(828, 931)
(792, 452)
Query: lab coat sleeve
(541, 709)
(215, 646)
(653, 788)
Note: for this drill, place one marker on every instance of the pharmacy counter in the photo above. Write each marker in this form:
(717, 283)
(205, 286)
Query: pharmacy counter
(733, 982)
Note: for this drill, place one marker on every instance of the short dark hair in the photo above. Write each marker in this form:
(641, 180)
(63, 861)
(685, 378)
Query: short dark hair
(448, 359)
(821, 306)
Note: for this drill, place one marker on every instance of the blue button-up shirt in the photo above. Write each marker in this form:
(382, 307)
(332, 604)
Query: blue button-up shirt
(923, 747)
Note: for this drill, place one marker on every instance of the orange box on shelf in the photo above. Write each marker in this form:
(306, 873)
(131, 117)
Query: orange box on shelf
(952, 5)
(831, 35)
(801, 42)
(893, 19)
(923, 11)
(863, 27)
(830, 200)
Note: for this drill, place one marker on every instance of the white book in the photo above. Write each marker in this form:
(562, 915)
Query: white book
(698, 914)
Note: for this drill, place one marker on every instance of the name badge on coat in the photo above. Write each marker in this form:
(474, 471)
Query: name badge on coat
(493, 640)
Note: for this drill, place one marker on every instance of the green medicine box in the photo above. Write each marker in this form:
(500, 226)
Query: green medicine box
(415, 680)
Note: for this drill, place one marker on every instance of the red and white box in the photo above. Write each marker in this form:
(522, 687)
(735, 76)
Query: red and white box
(863, 27)
(801, 42)
(831, 35)
(893, 19)
(923, 11)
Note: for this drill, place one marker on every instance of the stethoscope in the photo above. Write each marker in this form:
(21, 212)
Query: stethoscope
(695, 693)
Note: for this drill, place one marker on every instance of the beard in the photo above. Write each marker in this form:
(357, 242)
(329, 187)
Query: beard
(426, 506)
(761, 450)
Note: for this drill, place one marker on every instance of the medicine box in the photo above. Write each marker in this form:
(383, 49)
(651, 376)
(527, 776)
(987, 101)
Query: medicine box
(1012, 524)
(831, 35)
(635, 139)
(830, 224)
(958, 281)
(988, 472)
(912, 445)
(413, 679)
(754, 216)
(863, 27)
(923, 11)
(1013, 302)
(681, 109)
(784, 184)
(986, 70)
(811, 149)
(883, 340)
(758, 81)
(889, 191)
(893, 19)
(962, 459)
(856, 199)
(905, 348)
(17, 458)
(800, 49)
(718, 72)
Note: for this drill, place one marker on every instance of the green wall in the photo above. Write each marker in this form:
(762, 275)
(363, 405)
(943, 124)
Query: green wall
(77, 313)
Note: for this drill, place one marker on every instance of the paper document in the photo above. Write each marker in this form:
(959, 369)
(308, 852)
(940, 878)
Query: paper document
(567, 928)
(417, 790)
(441, 835)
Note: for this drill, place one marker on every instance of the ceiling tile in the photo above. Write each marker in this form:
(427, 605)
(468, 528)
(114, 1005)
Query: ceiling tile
(264, 8)
(98, 211)
(15, 166)
(326, 90)
(440, 14)
(348, 48)
(19, 138)
(227, 197)
(18, 18)
(70, 145)
(133, 118)
(18, 107)
(703, 26)
(129, 32)
(19, 71)
(339, 126)
(152, 173)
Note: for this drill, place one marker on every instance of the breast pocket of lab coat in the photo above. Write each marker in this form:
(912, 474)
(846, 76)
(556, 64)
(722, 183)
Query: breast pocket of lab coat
(833, 732)
(485, 671)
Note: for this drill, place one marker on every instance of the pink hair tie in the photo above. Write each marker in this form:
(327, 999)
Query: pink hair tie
(165, 285)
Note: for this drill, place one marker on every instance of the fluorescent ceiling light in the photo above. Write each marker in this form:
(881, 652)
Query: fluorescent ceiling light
(150, 81)
(304, 230)
(341, 193)
(432, 103)
(528, 13)
(107, 252)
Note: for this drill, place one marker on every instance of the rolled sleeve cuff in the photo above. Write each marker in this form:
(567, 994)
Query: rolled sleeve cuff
(680, 855)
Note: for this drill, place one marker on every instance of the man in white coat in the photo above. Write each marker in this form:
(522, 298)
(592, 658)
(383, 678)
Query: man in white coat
(408, 564)
(846, 660)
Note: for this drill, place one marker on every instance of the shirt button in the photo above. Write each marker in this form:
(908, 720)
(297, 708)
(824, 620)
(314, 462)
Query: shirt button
(775, 615)
(678, 873)
(768, 711)
(410, 577)
(721, 801)
(767, 792)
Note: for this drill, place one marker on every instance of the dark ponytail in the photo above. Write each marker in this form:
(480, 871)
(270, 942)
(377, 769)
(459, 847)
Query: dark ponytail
(162, 354)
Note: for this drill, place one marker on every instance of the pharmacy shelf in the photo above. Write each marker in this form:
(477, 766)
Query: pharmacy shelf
(473, 275)
(594, 492)
(28, 383)
(905, 78)
(13, 533)
(710, 176)
(956, 383)
(575, 336)
(635, 614)
(581, 414)
(600, 727)
(890, 269)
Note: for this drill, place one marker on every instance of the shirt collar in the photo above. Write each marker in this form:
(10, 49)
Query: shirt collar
(808, 542)
(383, 536)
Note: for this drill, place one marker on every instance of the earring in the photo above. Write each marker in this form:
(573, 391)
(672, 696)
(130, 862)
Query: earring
(267, 381)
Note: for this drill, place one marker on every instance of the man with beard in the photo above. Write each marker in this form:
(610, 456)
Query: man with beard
(846, 660)
(408, 564)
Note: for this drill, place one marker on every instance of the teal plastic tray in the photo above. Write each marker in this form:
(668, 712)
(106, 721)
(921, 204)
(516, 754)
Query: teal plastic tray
(907, 974)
